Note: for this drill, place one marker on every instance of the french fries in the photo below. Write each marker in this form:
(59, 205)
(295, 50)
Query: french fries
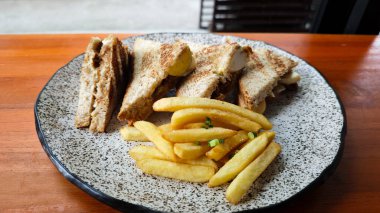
(219, 151)
(144, 152)
(177, 103)
(129, 133)
(194, 135)
(240, 185)
(239, 161)
(203, 136)
(190, 151)
(154, 135)
(191, 115)
(180, 171)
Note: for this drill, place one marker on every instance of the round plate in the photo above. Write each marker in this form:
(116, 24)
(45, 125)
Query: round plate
(309, 122)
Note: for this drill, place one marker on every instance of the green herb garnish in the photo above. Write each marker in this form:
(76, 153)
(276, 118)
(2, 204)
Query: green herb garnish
(215, 142)
(252, 135)
(207, 123)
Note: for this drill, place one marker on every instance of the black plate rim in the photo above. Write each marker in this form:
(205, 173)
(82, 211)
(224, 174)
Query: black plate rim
(125, 206)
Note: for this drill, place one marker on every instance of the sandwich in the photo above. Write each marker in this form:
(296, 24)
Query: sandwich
(216, 70)
(103, 79)
(157, 67)
(266, 74)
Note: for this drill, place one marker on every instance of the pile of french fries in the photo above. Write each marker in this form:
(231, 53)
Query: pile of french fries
(206, 141)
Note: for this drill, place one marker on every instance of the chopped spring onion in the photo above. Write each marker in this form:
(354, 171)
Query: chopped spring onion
(208, 123)
(215, 142)
(251, 135)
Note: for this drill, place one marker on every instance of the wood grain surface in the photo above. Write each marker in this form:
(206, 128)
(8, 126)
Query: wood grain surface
(30, 183)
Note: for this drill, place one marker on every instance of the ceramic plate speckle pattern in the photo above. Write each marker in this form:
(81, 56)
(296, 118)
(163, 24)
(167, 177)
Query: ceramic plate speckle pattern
(309, 122)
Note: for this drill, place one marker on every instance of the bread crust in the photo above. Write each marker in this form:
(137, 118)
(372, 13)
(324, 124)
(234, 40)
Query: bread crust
(103, 80)
(260, 75)
(88, 83)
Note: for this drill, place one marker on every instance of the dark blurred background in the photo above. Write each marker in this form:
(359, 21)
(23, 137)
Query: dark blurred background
(81, 16)
(313, 16)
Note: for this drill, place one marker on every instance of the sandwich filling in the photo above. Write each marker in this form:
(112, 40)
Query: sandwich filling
(216, 69)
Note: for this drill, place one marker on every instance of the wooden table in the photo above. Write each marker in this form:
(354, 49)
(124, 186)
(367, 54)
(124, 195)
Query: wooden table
(30, 182)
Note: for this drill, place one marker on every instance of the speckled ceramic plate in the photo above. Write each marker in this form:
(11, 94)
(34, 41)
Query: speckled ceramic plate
(310, 126)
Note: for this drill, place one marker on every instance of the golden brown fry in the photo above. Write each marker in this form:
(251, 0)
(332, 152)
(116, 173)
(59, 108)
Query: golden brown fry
(239, 161)
(224, 125)
(144, 152)
(129, 133)
(269, 134)
(194, 125)
(190, 150)
(240, 185)
(173, 104)
(191, 115)
(154, 134)
(219, 151)
(214, 123)
(194, 135)
(180, 171)
(165, 127)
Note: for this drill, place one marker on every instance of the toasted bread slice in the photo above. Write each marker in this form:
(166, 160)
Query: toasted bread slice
(261, 75)
(110, 82)
(103, 78)
(152, 62)
(215, 66)
(88, 83)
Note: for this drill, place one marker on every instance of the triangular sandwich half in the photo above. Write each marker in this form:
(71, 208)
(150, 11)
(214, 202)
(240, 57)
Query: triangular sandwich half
(103, 79)
(217, 67)
(156, 69)
(265, 74)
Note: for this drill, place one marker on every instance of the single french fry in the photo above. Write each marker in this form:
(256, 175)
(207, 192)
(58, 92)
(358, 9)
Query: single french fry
(194, 125)
(144, 152)
(129, 133)
(214, 123)
(269, 134)
(239, 161)
(190, 151)
(180, 171)
(154, 134)
(244, 180)
(173, 104)
(165, 127)
(191, 115)
(220, 150)
(224, 125)
(194, 135)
